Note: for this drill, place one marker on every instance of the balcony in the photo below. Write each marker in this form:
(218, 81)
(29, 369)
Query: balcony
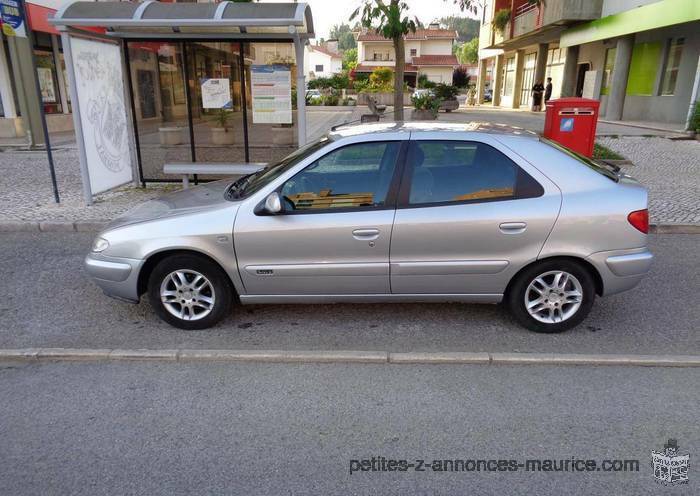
(527, 18)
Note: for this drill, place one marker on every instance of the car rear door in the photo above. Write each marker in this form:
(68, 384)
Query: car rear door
(471, 213)
(333, 237)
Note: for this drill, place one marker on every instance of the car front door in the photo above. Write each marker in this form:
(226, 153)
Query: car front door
(470, 215)
(332, 237)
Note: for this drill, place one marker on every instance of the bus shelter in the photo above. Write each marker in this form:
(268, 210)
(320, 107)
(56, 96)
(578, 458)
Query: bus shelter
(154, 83)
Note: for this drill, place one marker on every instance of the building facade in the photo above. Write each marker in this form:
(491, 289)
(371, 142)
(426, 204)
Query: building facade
(323, 60)
(640, 58)
(427, 51)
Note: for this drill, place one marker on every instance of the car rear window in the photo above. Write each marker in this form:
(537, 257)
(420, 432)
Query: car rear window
(607, 170)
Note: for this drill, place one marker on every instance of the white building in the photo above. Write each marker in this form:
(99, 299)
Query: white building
(428, 51)
(323, 60)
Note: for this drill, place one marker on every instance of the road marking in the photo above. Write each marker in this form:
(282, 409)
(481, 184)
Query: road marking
(346, 356)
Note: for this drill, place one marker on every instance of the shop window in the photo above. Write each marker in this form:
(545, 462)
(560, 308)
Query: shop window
(509, 76)
(608, 70)
(643, 69)
(671, 65)
(48, 81)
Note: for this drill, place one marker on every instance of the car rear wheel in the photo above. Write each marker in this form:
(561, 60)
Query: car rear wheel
(552, 296)
(189, 292)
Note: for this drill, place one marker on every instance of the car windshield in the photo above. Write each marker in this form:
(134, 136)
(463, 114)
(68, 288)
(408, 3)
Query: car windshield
(247, 185)
(608, 170)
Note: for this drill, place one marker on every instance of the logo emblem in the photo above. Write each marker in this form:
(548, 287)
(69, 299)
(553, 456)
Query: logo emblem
(670, 467)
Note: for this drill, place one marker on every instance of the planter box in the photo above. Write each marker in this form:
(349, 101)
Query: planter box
(382, 98)
(221, 136)
(423, 115)
(171, 135)
(449, 105)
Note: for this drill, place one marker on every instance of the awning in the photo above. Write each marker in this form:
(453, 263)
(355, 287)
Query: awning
(644, 18)
(172, 20)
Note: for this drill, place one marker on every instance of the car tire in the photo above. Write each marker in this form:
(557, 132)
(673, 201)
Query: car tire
(559, 294)
(190, 292)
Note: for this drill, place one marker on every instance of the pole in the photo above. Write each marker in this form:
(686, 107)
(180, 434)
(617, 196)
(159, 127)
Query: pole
(49, 155)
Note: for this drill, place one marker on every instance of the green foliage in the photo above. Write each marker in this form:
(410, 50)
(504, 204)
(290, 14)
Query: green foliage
(445, 91)
(501, 19)
(331, 100)
(221, 117)
(605, 153)
(343, 33)
(381, 76)
(426, 102)
(336, 81)
(468, 53)
(424, 83)
(695, 118)
(466, 27)
(460, 78)
(387, 19)
(350, 59)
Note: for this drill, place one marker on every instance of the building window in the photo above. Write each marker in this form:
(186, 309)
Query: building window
(319, 68)
(644, 68)
(608, 70)
(414, 52)
(671, 65)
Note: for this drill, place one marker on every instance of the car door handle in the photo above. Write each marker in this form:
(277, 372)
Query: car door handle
(512, 227)
(365, 234)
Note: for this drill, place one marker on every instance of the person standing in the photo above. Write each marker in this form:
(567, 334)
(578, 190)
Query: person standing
(548, 90)
(537, 91)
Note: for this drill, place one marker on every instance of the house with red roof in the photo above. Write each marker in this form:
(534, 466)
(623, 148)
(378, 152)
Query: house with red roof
(428, 51)
(323, 60)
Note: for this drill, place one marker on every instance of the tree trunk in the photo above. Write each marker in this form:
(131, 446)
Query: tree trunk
(400, 57)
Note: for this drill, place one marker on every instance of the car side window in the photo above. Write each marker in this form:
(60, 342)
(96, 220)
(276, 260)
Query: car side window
(353, 176)
(465, 171)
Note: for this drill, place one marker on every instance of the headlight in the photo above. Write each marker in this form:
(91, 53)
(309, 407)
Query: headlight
(99, 245)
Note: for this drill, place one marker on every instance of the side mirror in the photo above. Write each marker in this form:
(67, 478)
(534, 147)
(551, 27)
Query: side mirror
(272, 204)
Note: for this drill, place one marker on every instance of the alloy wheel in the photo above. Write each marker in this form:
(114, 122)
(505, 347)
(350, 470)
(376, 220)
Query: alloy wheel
(553, 297)
(187, 294)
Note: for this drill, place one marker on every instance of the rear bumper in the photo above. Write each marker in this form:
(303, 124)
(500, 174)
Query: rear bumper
(621, 270)
(117, 277)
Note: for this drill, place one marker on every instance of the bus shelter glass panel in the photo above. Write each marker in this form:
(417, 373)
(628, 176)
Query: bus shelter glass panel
(160, 105)
(270, 82)
(217, 101)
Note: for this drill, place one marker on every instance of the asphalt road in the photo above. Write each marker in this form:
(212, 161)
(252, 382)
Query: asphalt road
(272, 429)
(47, 301)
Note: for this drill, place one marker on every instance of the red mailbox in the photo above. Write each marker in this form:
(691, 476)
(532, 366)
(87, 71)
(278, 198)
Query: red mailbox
(572, 122)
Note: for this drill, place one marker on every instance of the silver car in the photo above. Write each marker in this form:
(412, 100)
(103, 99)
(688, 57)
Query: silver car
(389, 213)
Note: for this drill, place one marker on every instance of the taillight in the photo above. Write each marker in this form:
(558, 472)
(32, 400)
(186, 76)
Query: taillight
(640, 220)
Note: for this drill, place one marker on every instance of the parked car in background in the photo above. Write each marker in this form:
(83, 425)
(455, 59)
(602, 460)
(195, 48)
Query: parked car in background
(422, 92)
(314, 95)
(389, 213)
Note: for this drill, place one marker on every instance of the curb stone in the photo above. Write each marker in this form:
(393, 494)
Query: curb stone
(345, 356)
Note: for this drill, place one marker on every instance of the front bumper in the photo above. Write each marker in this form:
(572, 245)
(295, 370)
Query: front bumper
(621, 270)
(117, 277)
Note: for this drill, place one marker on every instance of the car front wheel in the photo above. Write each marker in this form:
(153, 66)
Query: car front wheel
(552, 296)
(189, 292)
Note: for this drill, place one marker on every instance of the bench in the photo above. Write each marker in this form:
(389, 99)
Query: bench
(377, 110)
(185, 169)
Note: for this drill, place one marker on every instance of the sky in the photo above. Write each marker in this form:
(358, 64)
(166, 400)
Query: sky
(329, 12)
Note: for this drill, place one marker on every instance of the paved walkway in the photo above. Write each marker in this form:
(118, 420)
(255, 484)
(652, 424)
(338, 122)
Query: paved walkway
(670, 169)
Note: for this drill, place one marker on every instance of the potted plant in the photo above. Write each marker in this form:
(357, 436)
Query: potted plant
(694, 125)
(447, 95)
(501, 19)
(221, 135)
(425, 107)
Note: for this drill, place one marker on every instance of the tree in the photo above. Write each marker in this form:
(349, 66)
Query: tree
(468, 53)
(388, 18)
(343, 33)
(393, 24)
(350, 59)
(466, 27)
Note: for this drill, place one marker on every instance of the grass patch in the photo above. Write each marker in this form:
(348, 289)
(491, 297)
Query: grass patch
(604, 153)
